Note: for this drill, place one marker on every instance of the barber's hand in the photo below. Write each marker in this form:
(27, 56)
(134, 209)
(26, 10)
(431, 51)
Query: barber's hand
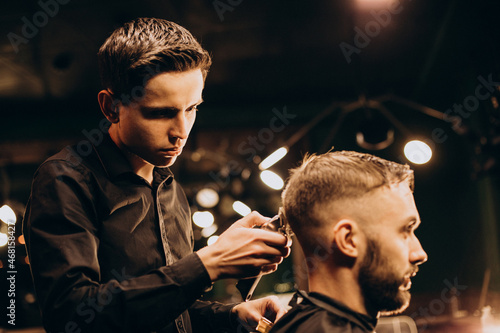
(249, 313)
(242, 251)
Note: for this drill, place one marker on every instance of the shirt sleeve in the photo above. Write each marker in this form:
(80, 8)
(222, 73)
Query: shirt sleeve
(213, 317)
(61, 231)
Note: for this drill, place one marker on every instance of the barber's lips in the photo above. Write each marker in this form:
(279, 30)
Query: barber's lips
(172, 151)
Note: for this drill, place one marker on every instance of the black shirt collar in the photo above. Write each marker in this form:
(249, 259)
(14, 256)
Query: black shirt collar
(115, 163)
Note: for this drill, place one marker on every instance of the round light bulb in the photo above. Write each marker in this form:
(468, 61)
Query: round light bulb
(207, 198)
(7, 215)
(203, 219)
(418, 152)
(212, 240)
(3, 239)
(242, 209)
(272, 180)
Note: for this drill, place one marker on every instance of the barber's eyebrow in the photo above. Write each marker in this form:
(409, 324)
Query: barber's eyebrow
(167, 108)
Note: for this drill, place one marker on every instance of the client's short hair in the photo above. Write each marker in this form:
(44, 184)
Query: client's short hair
(323, 179)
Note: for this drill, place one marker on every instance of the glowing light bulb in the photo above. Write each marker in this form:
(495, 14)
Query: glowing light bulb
(273, 158)
(3, 239)
(240, 208)
(418, 152)
(207, 198)
(209, 231)
(203, 219)
(7, 215)
(212, 240)
(272, 180)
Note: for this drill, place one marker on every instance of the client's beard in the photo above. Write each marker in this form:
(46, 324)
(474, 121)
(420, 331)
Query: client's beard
(380, 283)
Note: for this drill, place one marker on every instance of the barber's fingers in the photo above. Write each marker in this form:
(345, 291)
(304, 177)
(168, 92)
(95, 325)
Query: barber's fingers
(274, 308)
(251, 220)
(244, 235)
(288, 250)
(277, 307)
(267, 269)
(271, 238)
(249, 313)
(256, 219)
(263, 249)
(265, 261)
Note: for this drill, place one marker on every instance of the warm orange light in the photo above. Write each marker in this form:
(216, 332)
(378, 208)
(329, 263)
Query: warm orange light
(27, 260)
(21, 240)
(374, 4)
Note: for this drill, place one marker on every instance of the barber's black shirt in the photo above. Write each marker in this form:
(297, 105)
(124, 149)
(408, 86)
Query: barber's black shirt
(314, 312)
(111, 253)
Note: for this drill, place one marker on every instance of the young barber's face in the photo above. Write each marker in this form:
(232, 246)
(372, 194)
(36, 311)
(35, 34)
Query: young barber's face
(156, 127)
(393, 251)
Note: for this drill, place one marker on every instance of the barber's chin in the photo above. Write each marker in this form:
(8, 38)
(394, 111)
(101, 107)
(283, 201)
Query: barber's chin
(165, 162)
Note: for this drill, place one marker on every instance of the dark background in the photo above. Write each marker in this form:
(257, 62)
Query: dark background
(271, 55)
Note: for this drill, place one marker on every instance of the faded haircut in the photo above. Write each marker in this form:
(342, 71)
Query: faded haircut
(143, 48)
(323, 179)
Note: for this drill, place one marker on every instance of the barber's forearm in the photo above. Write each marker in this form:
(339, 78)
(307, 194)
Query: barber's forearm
(212, 316)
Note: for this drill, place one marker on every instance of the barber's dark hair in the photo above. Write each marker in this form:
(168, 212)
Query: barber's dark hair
(145, 47)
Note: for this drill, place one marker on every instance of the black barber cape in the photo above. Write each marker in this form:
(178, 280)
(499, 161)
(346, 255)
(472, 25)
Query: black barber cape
(314, 312)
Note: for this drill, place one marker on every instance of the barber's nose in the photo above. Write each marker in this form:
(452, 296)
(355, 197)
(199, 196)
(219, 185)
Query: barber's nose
(180, 127)
(417, 254)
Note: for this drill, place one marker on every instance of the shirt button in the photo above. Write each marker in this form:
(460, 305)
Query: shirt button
(180, 326)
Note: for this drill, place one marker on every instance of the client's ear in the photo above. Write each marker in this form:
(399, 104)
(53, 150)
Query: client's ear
(346, 235)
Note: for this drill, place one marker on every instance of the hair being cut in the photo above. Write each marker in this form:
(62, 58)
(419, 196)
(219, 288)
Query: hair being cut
(323, 179)
(143, 48)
